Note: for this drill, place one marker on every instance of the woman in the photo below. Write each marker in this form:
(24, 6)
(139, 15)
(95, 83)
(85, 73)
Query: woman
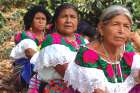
(104, 66)
(28, 41)
(87, 31)
(57, 51)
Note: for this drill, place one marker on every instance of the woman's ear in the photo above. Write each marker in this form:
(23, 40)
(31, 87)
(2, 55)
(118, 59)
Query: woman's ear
(100, 28)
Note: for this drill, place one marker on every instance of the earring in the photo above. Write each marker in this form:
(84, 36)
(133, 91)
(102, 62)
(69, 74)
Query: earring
(30, 29)
(45, 31)
(101, 37)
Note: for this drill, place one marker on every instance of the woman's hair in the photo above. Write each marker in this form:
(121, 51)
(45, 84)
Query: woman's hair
(113, 11)
(29, 16)
(86, 29)
(62, 7)
(110, 12)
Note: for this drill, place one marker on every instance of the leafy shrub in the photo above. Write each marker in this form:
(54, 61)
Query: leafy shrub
(2, 20)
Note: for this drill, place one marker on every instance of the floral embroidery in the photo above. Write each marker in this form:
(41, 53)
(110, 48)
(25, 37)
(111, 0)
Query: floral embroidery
(31, 35)
(18, 37)
(119, 72)
(56, 38)
(89, 58)
(128, 56)
(24, 35)
(109, 71)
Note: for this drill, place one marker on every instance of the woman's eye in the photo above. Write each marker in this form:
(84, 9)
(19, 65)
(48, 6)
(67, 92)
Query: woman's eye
(127, 26)
(43, 18)
(37, 18)
(73, 16)
(115, 24)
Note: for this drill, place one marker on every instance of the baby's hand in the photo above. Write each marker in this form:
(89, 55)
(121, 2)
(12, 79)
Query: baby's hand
(29, 52)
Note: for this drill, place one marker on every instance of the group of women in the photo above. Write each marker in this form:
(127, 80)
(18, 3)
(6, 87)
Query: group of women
(61, 62)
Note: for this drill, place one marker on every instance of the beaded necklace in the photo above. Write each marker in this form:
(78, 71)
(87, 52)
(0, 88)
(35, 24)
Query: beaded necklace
(117, 88)
(73, 42)
(115, 63)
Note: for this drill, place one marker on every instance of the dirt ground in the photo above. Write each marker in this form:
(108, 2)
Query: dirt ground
(6, 67)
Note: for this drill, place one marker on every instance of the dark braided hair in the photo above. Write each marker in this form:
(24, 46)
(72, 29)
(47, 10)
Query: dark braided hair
(28, 17)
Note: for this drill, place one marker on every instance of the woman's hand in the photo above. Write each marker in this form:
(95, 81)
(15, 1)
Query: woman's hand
(135, 38)
(98, 91)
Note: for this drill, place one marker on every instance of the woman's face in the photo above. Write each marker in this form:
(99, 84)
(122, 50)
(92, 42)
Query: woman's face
(116, 31)
(39, 21)
(67, 21)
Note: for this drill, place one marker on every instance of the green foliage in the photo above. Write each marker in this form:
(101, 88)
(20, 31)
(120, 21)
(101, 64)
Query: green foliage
(19, 13)
(4, 35)
(2, 20)
(89, 10)
(5, 54)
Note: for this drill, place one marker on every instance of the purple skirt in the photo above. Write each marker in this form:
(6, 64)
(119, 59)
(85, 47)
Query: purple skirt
(135, 89)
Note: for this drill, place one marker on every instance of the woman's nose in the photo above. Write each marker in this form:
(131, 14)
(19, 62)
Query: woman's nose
(121, 29)
(41, 21)
(68, 19)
